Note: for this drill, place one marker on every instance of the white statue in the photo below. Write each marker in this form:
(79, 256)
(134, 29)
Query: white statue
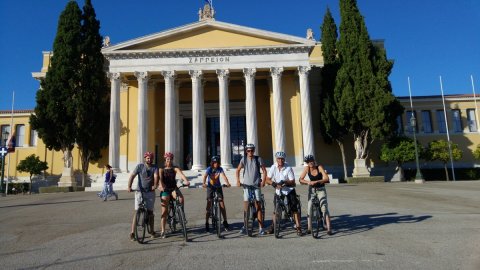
(358, 148)
(106, 41)
(310, 34)
(67, 159)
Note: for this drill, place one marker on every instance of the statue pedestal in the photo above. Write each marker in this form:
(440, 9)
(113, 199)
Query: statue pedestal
(67, 179)
(360, 169)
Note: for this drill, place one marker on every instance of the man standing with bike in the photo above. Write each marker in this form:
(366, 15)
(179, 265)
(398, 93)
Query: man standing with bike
(281, 177)
(212, 174)
(252, 165)
(147, 174)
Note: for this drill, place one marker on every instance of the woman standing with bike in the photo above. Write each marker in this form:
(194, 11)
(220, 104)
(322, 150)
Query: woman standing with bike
(316, 187)
(168, 187)
(212, 174)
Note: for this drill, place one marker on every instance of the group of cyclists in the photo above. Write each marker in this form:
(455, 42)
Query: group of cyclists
(255, 175)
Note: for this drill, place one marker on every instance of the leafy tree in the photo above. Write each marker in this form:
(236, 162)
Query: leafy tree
(55, 112)
(366, 106)
(400, 150)
(330, 128)
(32, 165)
(476, 152)
(438, 150)
(92, 99)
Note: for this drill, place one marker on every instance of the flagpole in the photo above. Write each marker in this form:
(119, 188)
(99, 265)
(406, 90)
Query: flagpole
(476, 108)
(418, 177)
(11, 132)
(448, 133)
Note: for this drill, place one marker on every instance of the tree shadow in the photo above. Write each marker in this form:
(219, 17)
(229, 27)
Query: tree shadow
(349, 224)
(40, 204)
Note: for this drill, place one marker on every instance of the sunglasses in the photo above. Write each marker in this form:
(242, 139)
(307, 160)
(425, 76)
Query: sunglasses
(249, 151)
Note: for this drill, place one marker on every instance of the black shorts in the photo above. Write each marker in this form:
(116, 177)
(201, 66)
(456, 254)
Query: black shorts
(210, 193)
(293, 201)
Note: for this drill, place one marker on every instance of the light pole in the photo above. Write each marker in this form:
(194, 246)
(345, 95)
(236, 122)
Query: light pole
(418, 177)
(4, 140)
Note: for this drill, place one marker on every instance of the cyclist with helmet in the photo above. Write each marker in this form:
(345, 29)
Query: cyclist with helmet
(212, 174)
(168, 188)
(252, 165)
(147, 174)
(318, 178)
(281, 177)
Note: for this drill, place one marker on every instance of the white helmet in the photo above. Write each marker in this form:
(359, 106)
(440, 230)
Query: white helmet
(280, 155)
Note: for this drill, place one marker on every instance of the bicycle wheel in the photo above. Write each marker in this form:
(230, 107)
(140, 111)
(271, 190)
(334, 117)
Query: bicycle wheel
(171, 220)
(262, 204)
(183, 222)
(278, 219)
(140, 225)
(218, 219)
(316, 217)
(248, 220)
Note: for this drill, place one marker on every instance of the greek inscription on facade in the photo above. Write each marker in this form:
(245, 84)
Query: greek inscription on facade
(207, 60)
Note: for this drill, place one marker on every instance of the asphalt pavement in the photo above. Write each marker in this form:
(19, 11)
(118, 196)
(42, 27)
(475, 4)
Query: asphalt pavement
(376, 226)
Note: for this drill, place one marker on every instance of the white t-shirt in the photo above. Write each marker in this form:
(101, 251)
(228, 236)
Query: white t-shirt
(285, 174)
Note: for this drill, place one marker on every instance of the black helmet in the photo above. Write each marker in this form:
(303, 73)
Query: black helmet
(308, 158)
(215, 159)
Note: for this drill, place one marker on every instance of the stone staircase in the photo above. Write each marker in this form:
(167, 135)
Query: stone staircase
(194, 176)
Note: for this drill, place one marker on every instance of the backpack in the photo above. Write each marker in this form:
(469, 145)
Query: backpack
(113, 178)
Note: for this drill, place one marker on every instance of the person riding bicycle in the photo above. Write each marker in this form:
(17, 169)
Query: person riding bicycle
(318, 178)
(169, 189)
(147, 174)
(212, 174)
(252, 165)
(281, 177)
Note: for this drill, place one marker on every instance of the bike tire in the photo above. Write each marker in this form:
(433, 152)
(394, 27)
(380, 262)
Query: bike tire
(183, 222)
(171, 220)
(218, 219)
(278, 220)
(248, 220)
(316, 221)
(140, 225)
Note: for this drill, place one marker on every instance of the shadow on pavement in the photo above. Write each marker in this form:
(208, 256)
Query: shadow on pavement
(349, 224)
(42, 203)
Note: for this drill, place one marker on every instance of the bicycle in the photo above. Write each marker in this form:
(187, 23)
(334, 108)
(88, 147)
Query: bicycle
(282, 209)
(176, 215)
(142, 220)
(215, 211)
(251, 214)
(316, 215)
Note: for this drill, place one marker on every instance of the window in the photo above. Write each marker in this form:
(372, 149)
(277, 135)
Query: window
(409, 125)
(399, 125)
(441, 122)
(33, 137)
(457, 121)
(20, 135)
(427, 122)
(471, 120)
(5, 134)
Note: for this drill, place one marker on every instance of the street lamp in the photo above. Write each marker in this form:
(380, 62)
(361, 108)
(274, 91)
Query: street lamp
(4, 139)
(413, 123)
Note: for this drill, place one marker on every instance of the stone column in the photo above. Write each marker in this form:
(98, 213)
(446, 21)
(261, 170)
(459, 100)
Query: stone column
(179, 124)
(250, 106)
(114, 135)
(279, 131)
(170, 111)
(225, 144)
(307, 128)
(142, 78)
(197, 119)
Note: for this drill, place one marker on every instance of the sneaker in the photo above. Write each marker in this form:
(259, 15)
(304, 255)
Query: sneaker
(329, 232)
(226, 226)
(261, 231)
(207, 227)
(132, 236)
(242, 231)
(153, 235)
(308, 231)
(270, 230)
(105, 198)
(299, 232)
(162, 235)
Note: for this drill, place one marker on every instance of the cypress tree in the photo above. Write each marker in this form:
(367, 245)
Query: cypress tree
(92, 99)
(55, 112)
(363, 94)
(330, 128)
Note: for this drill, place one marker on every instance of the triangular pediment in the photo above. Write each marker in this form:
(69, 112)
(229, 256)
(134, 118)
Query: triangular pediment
(208, 34)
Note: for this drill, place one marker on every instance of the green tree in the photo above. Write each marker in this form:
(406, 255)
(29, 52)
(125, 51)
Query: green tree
(55, 111)
(366, 106)
(330, 128)
(438, 150)
(476, 152)
(92, 99)
(32, 165)
(400, 150)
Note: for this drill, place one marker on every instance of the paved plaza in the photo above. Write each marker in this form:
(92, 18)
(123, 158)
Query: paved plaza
(377, 226)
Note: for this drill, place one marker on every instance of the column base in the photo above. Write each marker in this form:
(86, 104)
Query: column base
(227, 166)
(197, 167)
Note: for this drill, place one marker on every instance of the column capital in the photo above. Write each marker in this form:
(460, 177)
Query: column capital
(142, 75)
(169, 74)
(249, 72)
(113, 75)
(304, 70)
(195, 74)
(223, 73)
(276, 71)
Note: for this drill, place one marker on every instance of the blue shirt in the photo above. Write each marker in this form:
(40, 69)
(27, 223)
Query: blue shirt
(213, 176)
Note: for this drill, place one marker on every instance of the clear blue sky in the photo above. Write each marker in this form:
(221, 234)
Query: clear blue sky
(426, 38)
